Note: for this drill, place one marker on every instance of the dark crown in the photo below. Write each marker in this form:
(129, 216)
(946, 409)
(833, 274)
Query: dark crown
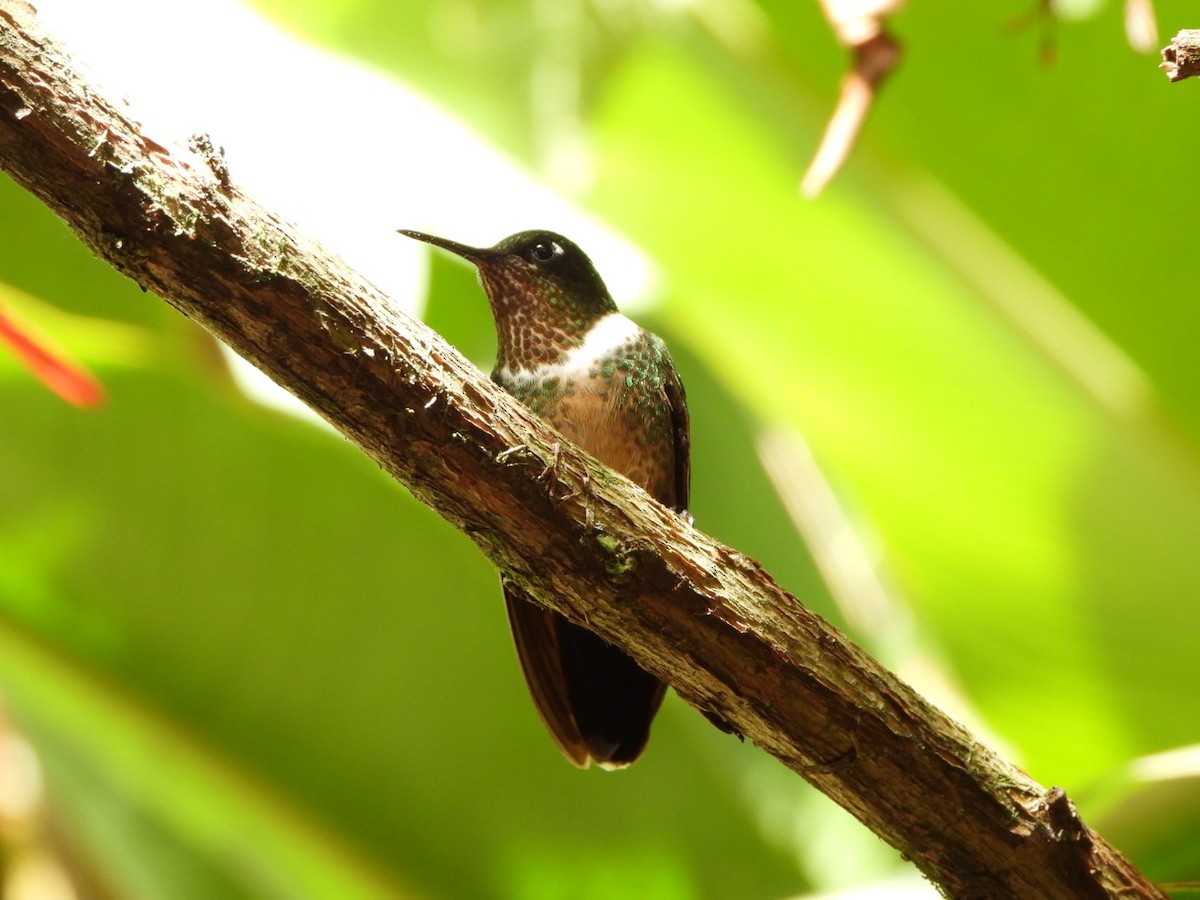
(558, 257)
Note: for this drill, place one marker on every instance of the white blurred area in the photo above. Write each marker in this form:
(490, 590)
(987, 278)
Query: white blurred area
(303, 134)
(31, 869)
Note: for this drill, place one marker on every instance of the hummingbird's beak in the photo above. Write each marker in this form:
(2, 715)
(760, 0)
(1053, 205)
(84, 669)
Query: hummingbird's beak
(471, 254)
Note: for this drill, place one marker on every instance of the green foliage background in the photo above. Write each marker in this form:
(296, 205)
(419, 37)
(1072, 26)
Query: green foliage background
(254, 667)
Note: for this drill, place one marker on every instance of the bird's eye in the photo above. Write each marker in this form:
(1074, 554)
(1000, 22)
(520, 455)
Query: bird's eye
(543, 252)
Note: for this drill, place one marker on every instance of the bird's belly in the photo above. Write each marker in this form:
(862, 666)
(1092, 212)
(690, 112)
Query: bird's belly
(635, 439)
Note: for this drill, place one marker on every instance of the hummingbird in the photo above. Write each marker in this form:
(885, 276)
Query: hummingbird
(566, 352)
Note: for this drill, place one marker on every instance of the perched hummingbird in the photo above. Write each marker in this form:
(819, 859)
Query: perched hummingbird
(565, 351)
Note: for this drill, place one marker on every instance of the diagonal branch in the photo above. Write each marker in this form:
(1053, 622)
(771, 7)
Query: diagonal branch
(583, 540)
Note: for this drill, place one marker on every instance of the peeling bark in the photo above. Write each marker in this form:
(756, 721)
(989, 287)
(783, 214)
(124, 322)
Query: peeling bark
(1181, 57)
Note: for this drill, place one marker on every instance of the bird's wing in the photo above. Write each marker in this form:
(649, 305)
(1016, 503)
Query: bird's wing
(681, 427)
(596, 702)
(535, 633)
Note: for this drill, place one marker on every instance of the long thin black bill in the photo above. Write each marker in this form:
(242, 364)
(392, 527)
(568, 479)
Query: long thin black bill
(470, 253)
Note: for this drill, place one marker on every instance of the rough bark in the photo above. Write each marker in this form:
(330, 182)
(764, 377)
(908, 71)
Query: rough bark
(582, 540)
(1181, 57)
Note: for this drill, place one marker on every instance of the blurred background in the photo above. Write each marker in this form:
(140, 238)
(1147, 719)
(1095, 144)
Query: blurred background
(951, 404)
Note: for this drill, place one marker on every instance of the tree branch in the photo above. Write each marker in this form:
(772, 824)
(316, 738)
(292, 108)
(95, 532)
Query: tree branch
(585, 541)
(1181, 57)
(859, 27)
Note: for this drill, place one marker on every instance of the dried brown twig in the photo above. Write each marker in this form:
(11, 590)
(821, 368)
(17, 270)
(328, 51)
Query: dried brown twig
(1181, 57)
(859, 27)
